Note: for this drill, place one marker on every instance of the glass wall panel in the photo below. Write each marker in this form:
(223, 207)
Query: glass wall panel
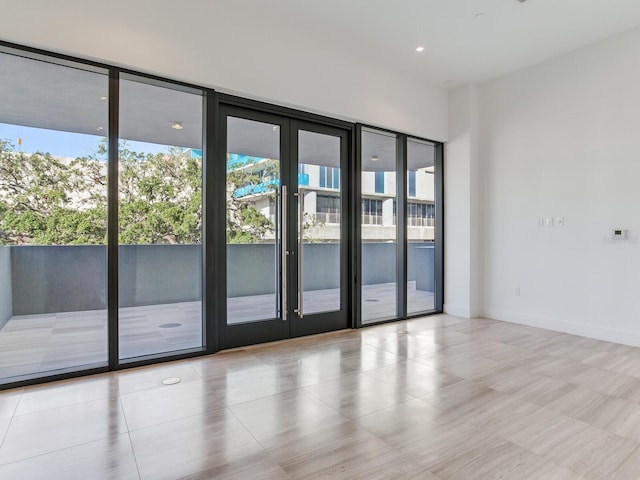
(160, 219)
(379, 226)
(53, 217)
(420, 226)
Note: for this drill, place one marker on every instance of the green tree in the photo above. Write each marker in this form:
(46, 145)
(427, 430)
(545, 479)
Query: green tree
(246, 224)
(160, 197)
(45, 200)
(50, 201)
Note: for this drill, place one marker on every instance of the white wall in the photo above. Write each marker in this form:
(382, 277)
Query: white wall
(250, 49)
(463, 221)
(562, 139)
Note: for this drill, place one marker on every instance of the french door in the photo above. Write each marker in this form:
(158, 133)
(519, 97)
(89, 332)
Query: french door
(286, 226)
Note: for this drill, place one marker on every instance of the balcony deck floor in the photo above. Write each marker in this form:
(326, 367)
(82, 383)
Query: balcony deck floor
(56, 341)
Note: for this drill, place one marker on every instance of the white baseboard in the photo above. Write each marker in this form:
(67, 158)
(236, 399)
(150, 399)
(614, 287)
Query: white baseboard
(625, 337)
(457, 310)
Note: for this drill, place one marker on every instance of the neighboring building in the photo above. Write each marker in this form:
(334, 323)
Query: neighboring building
(321, 186)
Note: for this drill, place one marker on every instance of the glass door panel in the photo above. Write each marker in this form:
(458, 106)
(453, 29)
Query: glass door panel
(420, 226)
(379, 226)
(253, 220)
(285, 230)
(319, 222)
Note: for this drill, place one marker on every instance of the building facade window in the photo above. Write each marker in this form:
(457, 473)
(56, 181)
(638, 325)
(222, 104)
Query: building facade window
(379, 182)
(421, 214)
(371, 211)
(329, 177)
(412, 183)
(327, 204)
(328, 209)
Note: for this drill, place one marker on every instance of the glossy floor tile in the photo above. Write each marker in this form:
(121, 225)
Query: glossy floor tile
(110, 458)
(46, 342)
(433, 398)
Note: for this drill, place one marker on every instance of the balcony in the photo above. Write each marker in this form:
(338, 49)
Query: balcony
(421, 222)
(53, 298)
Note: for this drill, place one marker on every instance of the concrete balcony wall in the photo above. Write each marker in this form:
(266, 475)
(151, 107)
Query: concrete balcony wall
(49, 279)
(321, 266)
(158, 274)
(52, 279)
(251, 269)
(6, 294)
(421, 265)
(379, 264)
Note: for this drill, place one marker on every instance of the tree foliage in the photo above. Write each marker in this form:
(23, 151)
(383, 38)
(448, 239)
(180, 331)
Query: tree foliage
(46, 200)
(245, 223)
(52, 201)
(160, 197)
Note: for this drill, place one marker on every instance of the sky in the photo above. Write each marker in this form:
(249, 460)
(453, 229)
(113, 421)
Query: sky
(63, 144)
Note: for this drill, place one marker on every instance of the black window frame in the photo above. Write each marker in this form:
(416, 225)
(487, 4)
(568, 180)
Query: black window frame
(214, 214)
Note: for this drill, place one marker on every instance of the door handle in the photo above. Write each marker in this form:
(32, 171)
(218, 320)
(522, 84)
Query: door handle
(283, 251)
(300, 309)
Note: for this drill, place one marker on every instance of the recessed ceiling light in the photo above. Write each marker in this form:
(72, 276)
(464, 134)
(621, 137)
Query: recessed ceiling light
(275, 128)
(177, 125)
(100, 129)
(103, 98)
(419, 49)
(374, 158)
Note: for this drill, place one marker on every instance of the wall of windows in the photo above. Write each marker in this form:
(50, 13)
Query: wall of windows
(111, 184)
(101, 217)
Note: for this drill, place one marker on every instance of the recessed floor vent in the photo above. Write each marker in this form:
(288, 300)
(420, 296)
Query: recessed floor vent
(171, 381)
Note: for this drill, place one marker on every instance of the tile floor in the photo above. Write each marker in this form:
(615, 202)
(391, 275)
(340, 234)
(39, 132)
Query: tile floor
(432, 398)
(42, 343)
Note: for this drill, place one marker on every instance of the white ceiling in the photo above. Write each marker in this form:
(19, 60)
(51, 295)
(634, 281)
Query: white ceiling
(459, 48)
